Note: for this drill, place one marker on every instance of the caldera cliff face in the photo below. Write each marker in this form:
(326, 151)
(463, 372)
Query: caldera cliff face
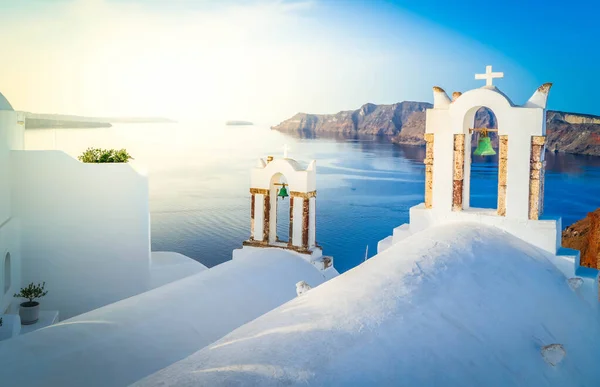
(404, 123)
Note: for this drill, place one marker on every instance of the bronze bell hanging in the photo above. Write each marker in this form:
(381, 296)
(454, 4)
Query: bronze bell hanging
(484, 146)
(283, 193)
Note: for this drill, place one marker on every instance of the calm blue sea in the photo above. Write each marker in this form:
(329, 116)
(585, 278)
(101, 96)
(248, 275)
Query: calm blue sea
(199, 181)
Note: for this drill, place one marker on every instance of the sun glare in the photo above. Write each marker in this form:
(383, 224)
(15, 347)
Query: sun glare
(259, 61)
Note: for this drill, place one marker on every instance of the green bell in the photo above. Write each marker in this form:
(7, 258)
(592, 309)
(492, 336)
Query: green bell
(484, 147)
(283, 193)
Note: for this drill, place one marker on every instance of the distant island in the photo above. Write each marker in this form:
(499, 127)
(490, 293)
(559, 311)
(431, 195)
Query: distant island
(59, 121)
(234, 123)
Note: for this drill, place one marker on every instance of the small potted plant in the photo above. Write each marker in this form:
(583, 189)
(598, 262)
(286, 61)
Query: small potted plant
(30, 310)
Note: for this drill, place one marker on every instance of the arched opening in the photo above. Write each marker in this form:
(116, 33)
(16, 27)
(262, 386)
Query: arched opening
(280, 209)
(483, 169)
(7, 276)
(283, 219)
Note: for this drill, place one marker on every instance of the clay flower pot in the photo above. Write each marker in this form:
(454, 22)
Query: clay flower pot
(29, 312)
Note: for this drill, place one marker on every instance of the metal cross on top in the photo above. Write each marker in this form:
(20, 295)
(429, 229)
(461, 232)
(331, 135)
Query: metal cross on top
(285, 151)
(489, 75)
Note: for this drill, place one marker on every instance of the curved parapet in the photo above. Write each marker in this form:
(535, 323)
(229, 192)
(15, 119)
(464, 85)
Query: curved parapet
(540, 97)
(440, 98)
(4, 104)
(298, 178)
(490, 97)
(260, 163)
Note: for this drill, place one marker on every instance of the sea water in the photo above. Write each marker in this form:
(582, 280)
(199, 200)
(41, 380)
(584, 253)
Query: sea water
(199, 183)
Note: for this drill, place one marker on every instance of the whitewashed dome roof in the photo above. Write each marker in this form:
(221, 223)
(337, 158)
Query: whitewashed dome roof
(462, 304)
(138, 339)
(4, 104)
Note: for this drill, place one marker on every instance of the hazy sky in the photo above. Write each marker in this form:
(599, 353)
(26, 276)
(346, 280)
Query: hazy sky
(265, 60)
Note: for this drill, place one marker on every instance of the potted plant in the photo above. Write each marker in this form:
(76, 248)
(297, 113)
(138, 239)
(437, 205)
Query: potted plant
(30, 310)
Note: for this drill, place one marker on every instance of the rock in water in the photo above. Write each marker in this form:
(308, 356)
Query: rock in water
(237, 123)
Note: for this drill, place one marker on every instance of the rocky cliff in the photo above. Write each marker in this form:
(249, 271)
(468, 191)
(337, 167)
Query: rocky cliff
(584, 236)
(404, 123)
(370, 119)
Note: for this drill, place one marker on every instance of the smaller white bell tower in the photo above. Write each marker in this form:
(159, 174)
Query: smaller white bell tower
(273, 181)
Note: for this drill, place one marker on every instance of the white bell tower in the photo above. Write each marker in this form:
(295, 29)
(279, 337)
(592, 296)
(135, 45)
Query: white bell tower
(268, 179)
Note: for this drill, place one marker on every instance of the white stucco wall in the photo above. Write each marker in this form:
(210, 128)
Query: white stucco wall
(519, 123)
(11, 138)
(259, 207)
(9, 244)
(4, 167)
(298, 208)
(273, 213)
(312, 221)
(85, 229)
(544, 234)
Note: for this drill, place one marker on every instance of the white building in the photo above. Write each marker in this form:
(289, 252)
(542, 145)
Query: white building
(63, 222)
(522, 137)
(125, 312)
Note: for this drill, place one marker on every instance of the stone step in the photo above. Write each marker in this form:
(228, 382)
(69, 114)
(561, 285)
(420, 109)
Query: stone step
(583, 280)
(402, 232)
(567, 261)
(384, 244)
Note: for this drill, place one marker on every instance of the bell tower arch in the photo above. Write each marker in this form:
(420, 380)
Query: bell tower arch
(521, 131)
(272, 182)
(522, 138)
(479, 138)
(275, 181)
